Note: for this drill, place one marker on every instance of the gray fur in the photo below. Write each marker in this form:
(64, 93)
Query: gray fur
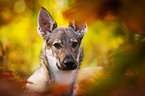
(53, 72)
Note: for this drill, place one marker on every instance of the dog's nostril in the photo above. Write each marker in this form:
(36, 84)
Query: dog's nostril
(69, 64)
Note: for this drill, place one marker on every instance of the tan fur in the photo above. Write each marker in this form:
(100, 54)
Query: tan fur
(60, 57)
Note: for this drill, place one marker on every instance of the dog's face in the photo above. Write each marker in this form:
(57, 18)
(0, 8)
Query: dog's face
(65, 47)
(61, 43)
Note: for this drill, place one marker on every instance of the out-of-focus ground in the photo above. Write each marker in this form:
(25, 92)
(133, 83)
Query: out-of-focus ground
(114, 46)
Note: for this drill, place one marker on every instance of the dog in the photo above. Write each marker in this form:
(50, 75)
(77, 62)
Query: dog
(61, 56)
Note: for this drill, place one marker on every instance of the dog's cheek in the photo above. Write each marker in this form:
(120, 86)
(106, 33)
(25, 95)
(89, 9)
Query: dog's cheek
(60, 54)
(58, 60)
(76, 52)
(49, 52)
(56, 54)
(55, 51)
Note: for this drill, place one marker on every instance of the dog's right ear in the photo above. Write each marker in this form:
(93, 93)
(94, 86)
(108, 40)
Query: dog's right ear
(79, 27)
(46, 24)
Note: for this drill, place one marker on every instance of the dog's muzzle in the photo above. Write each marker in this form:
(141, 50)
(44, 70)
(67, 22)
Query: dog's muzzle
(68, 63)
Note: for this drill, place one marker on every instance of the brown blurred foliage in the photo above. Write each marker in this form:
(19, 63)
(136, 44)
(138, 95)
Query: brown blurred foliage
(9, 85)
(131, 12)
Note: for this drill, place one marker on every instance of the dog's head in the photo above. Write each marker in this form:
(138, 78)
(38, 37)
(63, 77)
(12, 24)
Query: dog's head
(61, 43)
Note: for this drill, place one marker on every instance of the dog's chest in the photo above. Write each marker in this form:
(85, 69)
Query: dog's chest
(65, 78)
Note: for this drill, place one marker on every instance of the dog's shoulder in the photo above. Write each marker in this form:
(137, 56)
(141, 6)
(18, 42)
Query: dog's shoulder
(39, 81)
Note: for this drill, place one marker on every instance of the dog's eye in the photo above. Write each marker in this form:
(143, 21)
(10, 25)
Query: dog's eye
(74, 44)
(57, 45)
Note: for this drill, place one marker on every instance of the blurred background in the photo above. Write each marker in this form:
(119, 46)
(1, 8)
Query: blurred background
(114, 46)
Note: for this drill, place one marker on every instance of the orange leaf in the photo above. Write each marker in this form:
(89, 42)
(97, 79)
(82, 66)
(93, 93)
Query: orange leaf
(130, 73)
(8, 74)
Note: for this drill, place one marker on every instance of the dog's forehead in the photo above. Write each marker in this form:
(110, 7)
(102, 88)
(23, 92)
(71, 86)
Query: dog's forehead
(64, 33)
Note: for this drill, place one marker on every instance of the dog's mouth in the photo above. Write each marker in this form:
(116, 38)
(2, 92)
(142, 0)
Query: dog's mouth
(66, 68)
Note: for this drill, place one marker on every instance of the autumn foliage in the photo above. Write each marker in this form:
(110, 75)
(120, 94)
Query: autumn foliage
(114, 56)
(128, 11)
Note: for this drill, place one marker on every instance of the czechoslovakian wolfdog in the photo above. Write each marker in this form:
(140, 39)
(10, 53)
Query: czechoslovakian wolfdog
(60, 57)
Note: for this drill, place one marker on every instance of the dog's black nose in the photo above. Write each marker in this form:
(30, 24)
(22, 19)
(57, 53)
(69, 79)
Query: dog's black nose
(69, 62)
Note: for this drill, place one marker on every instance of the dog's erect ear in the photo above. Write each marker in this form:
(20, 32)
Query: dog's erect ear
(79, 27)
(46, 24)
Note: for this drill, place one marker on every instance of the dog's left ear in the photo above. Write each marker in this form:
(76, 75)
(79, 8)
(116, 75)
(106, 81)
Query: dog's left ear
(79, 27)
(46, 24)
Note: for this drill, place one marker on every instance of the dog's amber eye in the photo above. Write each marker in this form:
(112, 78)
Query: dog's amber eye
(57, 45)
(74, 44)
